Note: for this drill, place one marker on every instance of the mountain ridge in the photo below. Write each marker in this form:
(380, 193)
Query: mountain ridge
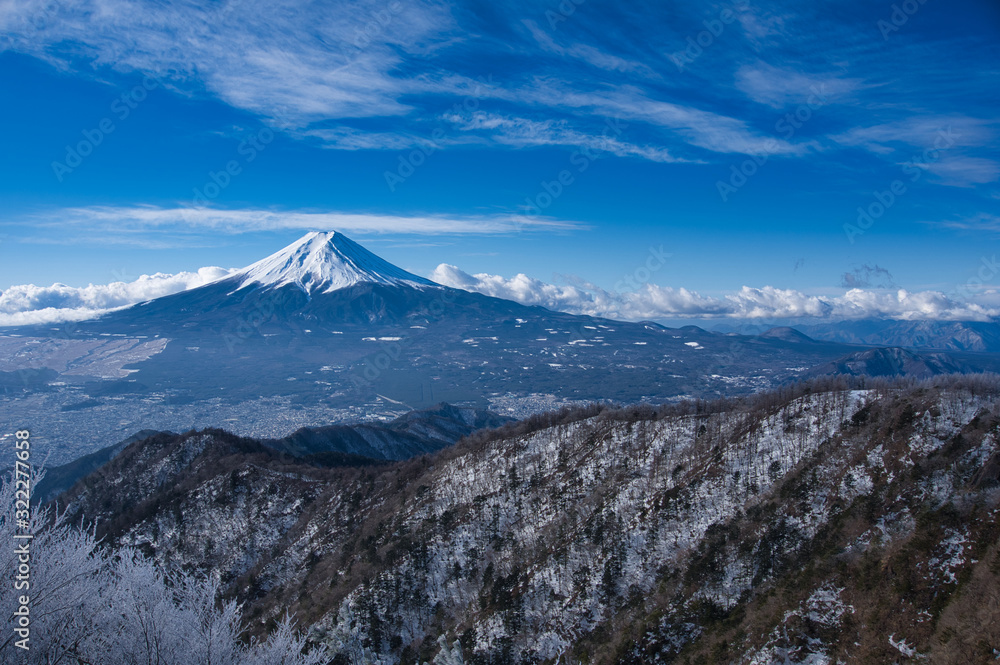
(892, 362)
(414, 433)
(810, 523)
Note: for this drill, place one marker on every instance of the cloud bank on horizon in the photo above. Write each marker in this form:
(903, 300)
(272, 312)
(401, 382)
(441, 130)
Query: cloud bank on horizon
(651, 301)
(27, 304)
(31, 305)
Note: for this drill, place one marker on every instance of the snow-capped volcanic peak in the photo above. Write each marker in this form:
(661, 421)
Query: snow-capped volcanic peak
(325, 262)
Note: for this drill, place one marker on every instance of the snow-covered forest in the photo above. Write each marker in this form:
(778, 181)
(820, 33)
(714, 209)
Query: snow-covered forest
(90, 603)
(806, 525)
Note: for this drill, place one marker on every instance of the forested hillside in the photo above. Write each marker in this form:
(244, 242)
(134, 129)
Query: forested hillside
(824, 523)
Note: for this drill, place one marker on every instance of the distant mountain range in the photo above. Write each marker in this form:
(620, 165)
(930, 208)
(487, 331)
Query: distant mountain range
(960, 336)
(891, 361)
(953, 336)
(415, 433)
(325, 332)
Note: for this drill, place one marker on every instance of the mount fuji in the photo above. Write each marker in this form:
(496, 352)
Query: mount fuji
(325, 332)
(323, 279)
(320, 277)
(323, 263)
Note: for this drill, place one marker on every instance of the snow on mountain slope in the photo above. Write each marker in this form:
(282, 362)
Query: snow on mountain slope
(805, 526)
(325, 262)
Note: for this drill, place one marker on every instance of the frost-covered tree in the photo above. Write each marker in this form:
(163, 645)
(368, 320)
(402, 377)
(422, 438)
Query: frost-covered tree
(91, 604)
(346, 639)
(448, 655)
(59, 574)
(283, 647)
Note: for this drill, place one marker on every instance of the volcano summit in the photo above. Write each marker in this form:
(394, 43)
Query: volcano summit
(325, 262)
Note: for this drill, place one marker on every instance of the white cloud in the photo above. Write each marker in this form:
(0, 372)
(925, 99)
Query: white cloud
(658, 302)
(586, 53)
(525, 133)
(780, 87)
(901, 304)
(527, 290)
(291, 63)
(959, 171)
(921, 132)
(769, 302)
(132, 224)
(760, 25)
(50, 315)
(315, 69)
(979, 222)
(299, 65)
(942, 145)
(29, 304)
(349, 138)
(704, 129)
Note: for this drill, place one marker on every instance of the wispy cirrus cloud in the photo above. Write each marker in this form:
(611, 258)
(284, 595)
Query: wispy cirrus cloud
(964, 171)
(950, 147)
(591, 55)
(376, 74)
(298, 67)
(703, 129)
(779, 87)
(292, 64)
(920, 132)
(982, 221)
(139, 224)
(524, 132)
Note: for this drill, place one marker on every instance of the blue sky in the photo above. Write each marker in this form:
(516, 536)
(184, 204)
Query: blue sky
(436, 133)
